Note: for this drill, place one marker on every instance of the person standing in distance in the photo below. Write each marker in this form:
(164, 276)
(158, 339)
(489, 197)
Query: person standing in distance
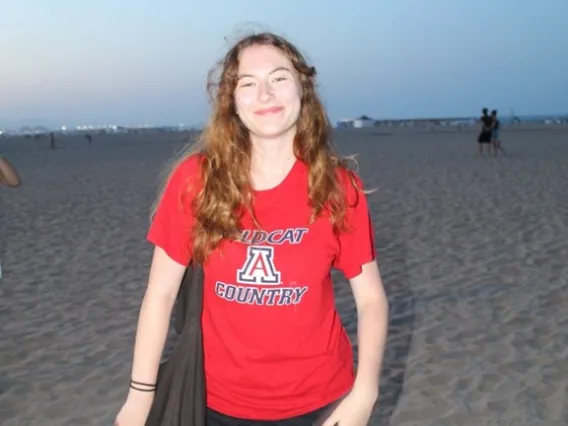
(484, 138)
(496, 134)
(268, 208)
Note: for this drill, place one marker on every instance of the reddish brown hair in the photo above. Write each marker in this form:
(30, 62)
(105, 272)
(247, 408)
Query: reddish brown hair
(226, 150)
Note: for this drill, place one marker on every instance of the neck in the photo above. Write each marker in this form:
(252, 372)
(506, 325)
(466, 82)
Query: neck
(271, 160)
(271, 155)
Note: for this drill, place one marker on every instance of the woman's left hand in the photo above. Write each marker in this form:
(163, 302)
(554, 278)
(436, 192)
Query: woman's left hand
(354, 410)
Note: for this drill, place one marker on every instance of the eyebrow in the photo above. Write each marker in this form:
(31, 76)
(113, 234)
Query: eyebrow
(271, 72)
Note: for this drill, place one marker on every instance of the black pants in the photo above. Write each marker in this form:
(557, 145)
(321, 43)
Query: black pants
(215, 418)
(484, 137)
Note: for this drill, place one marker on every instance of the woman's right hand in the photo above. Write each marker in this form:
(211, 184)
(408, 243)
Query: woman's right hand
(135, 410)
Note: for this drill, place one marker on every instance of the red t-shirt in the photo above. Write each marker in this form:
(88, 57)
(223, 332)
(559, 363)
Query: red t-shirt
(273, 341)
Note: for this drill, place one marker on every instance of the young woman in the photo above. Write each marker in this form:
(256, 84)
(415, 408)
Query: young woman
(496, 134)
(268, 208)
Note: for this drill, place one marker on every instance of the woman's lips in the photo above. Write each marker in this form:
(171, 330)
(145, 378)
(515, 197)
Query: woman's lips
(267, 111)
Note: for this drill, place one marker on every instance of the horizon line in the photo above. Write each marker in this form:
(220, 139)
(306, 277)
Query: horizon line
(200, 125)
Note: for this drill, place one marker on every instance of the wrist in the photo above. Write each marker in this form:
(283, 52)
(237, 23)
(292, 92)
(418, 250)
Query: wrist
(367, 388)
(138, 396)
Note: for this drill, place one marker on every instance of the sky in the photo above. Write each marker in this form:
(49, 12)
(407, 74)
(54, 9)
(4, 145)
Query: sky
(69, 62)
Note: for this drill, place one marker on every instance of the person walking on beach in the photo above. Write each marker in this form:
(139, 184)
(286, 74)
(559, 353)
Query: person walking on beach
(484, 138)
(268, 208)
(495, 134)
(52, 144)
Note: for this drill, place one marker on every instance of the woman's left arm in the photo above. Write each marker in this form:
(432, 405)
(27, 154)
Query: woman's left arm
(357, 261)
(372, 325)
(372, 313)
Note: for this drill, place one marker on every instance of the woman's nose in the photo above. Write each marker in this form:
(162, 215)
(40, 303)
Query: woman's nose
(264, 91)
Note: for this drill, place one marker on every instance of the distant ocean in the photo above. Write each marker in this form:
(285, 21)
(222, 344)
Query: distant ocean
(534, 118)
(505, 118)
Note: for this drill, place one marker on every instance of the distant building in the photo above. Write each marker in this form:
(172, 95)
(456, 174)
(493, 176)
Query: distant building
(356, 123)
(363, 121)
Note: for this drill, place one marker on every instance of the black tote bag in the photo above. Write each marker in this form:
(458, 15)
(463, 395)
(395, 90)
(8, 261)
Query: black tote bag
(180, 389)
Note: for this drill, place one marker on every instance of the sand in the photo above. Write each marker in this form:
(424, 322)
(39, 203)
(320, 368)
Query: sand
(472, 251)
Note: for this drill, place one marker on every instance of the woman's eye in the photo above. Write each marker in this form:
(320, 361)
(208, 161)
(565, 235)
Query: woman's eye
(246, 85)
(278, 79)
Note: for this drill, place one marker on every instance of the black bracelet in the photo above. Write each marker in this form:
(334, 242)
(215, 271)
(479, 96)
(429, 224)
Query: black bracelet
(142, 383)
(142, 389)
(147, 387)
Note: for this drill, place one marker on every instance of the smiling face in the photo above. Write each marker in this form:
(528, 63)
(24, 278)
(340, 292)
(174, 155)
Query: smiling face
(268, 92)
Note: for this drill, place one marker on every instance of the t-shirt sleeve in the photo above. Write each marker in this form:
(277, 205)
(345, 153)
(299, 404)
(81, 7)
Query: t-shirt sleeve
(357, 243)
(173, 220)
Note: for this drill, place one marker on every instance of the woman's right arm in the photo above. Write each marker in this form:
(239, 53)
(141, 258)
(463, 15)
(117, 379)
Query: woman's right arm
(154, 319)
(170, 234)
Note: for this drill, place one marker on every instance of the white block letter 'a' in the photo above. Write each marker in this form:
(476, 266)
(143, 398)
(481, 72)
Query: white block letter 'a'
(259, 267)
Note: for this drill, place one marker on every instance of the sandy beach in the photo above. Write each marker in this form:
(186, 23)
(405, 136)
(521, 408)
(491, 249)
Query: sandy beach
(473, 253)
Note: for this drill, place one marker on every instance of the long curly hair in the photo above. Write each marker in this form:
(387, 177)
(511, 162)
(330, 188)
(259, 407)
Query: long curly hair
(225, 148)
